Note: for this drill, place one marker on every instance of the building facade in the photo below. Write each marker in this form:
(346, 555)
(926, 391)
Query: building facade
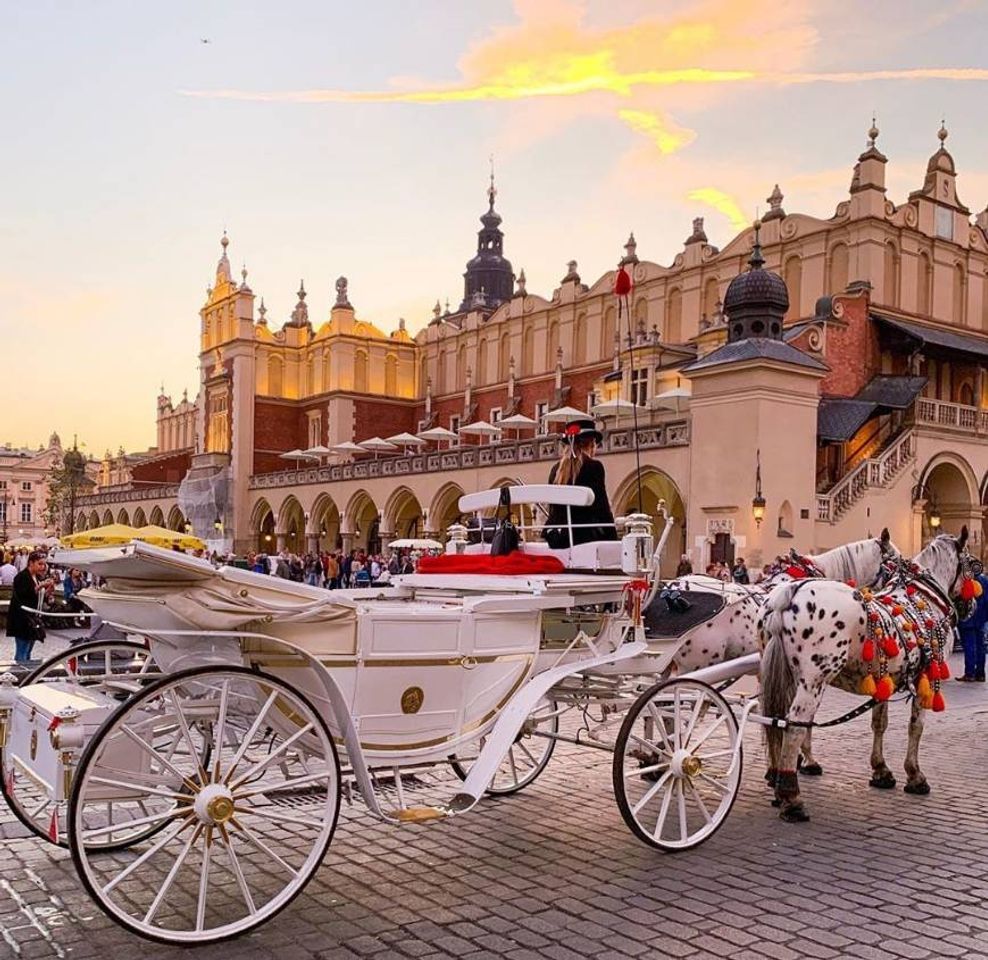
(885, 424)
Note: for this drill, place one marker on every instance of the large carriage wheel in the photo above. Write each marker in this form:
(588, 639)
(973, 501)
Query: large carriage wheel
(238, 836)
(118, 668)
(526, 758)
(677, 764)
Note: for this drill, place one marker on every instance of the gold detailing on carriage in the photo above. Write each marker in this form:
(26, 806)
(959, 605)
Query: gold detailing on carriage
(692, 766)
(34, 743)
(220, 809)
(420, 814)
(412, 700)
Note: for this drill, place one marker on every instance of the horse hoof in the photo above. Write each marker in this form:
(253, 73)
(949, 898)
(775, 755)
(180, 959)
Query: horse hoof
(776, 803)
(917, 789)
(884, 782)
(811, 770)
(794, 814)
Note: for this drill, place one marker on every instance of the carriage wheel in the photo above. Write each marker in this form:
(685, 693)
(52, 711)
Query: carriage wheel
(526, 758)
(677, 764)
(238, 836)
(118, 668)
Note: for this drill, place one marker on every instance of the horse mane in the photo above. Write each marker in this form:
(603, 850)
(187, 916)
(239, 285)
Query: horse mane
(840, 563)
(939, 559)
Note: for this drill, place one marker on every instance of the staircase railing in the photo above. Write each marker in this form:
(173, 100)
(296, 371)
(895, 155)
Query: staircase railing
(874, 472)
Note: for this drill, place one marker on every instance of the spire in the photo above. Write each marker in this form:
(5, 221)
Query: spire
(521, 281)
(488, 271)
(300, 315)
(243, 278)
(262, 312)
(491, 190)
(942, 132)
(223, 265)
(756, 261)
(872, 133)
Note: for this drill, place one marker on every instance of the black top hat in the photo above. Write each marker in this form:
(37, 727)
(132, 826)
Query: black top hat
(580, 429)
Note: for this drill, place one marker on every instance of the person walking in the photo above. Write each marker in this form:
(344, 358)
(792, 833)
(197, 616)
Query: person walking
(740, 572)
(29, 585)
(685, 567)
(973, 637)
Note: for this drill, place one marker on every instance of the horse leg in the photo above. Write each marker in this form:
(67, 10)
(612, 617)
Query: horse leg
(881, 776)
(804, 707)
(809, 767)
(916, 782)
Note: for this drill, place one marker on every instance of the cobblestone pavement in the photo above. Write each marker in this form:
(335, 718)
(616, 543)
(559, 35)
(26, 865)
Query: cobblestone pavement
(554, 873)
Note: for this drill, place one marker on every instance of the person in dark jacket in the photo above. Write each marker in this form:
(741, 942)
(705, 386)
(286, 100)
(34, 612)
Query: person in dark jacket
(972, 631)
(27, 589)
(579, 467)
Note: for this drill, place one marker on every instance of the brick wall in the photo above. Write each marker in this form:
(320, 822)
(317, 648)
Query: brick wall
(168, 469)
(279, 426)
(383, 418)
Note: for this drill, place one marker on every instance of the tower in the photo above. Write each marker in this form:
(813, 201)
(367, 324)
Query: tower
(489, 279)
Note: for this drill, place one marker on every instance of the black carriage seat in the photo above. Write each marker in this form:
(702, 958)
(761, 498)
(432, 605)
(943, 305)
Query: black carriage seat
(667, 618)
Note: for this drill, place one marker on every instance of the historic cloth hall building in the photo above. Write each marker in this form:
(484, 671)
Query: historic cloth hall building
(842, 360)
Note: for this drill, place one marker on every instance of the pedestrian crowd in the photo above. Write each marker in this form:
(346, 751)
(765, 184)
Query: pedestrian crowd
(334, 570)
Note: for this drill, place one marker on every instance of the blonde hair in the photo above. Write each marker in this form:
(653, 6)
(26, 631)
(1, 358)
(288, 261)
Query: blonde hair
(571, 462)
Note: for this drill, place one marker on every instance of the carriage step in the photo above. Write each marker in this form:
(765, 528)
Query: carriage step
(419, 814)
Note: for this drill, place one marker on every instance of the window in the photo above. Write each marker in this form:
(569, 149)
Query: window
(541, 409)
(454, 423)
(839, 266)
(423, 425)
(3, 511)
(27, 510)
(591, 400)
(639, 386)
(495, 416)
(26, 486)
(391, 375)
(945, 223)
(315, 428)
(3, 484)
(360, 372)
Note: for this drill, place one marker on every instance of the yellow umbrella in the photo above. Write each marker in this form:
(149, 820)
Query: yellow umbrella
(161, 537)
(100, 536)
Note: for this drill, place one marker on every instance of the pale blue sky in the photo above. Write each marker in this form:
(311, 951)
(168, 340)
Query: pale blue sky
(118, 184)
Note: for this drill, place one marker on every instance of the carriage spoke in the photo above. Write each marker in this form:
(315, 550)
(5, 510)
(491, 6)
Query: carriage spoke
(663, 811)
(249, 737)
(262, 765)
(262, 846)
(651, 745)
(511, 761)
(238, 872)
(194, 753)
(154, 791)
(267, 789)
(167, 764)
(652, 791)
(207, 854)
(170, 879)
(694, 717)
(220, 732)
(709, 732)
(527, 752)
(153, 820)
(681, 801)
(699, 800)
(147, 855)
(639, 772)
(279, 817)
(675, 725)
(716, 784)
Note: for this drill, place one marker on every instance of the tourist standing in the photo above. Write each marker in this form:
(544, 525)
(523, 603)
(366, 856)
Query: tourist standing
(685, 568)
(8, 571)
(28, 585)
(972, 631)
(740, 572)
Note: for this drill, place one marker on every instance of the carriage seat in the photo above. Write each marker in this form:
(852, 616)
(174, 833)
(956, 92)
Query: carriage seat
(595, 555)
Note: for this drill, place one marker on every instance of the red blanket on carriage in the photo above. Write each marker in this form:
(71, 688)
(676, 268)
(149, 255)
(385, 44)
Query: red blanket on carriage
(511, 564)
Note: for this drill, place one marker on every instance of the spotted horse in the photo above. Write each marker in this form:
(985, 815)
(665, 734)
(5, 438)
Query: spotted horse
(821, 632)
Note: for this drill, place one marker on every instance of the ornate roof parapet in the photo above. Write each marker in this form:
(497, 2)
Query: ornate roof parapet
(630, 251)
(774, 200)
(300, 315)
(342, 298)
(262, 314)
(520, 283)
(698, 235)
(571, 275)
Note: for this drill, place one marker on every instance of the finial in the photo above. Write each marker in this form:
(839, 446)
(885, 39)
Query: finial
(401, 323)
(437, 310)
(262, 312)
(775, 198)
(447, 307)
(162, 390)
(491, 190)
(559, 356)
(243, 274)
(872, 132)
(942, 132)
(301, 290)
(224, 241)
(521, 282)
(757, 261)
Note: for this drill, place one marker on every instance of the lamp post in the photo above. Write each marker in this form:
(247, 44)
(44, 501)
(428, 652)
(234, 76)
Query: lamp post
(218, 526)
(758, 501)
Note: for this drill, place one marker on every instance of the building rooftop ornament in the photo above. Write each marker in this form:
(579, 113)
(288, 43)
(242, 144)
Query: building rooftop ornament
(262, 313)
(223, 265)
(520, 292)
(872, 133)
(630, 250)
(243, 277)
(488, 270)
(697, 236)
(300, 315)
(942, 132)
(437, 312)
(774, 200)
(757, 300)
(571, 275)
(342, 299)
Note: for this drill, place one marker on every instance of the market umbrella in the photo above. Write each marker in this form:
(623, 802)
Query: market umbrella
(414, 543)
(613, 408)
(348, 447)
(675, 399)
(406, 440)
(377, 445)
(565, 414)
(100, 536)
(317, 452)
(438, 434)
(517, 421)
(295, 455)
(480, 428)
(162, 537)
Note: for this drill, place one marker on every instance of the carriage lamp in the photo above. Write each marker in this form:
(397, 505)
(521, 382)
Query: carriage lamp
(758, 501)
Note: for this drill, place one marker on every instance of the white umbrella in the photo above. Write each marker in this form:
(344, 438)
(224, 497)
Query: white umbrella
(613, 408)
(295, 455)
(377, 445)
(481, 428)
(517, 421)
(406, 440)
(565, 414)
(347, 448)
(317, 452)
(438, 434)
(674, 399)
(415, 543)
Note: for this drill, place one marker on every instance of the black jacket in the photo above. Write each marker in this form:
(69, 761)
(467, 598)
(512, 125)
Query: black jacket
(24, 598)
(591, 475)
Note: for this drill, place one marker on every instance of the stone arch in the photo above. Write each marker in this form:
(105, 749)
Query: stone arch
(480, 374)
(140, 518)
(262, 526)
(711, 296)
(93, 521)
(552, 345)
(156, 516)
(403, 515)
(80, 522)
(655, 485)
(528, 351)
(361, 522)
(391, 375)
(107, 517)
(176, 521)
(290, 524)
(504, 356)
(949, 485)
(608, 331)
(784, 524)
(959, 294)
(839, 265)
(580, 339)
(444, 509)
(461, 367)
(792, 273)
(324, 522)
(361, 372)
(441, 371)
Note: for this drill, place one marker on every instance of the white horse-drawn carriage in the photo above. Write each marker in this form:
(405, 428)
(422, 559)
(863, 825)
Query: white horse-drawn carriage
(196, 769)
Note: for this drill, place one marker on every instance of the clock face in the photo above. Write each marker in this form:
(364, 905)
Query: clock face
(945, 223)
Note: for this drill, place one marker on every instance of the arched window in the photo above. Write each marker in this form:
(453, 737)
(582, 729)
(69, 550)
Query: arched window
(924, 284)
(891, 281)
(960, 294)
(326, 379)
(607, 330)
(793, 275)
(711, 294)
(552, 345)
(785, 520)
(580, 339)
(528, 351)
(423, 374)
(838, 268)
(360, 372)
(480, 374)
(441, 371)
(391, 375)
(461, 367)
(965, 394)
(674, 316)
(275, 377)
(310, 377)
(641, 315)
(503, 356)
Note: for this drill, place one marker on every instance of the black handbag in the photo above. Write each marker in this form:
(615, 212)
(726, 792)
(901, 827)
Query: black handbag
(38, 632)
(506, 538)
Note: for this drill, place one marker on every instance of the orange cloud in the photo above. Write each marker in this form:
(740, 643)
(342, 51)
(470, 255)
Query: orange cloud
(723, 203)
(665, 133)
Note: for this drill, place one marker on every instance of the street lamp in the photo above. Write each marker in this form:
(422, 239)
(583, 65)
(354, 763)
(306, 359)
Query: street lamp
(218, 525)
(758, 501)
(188, 527)
(934, 519)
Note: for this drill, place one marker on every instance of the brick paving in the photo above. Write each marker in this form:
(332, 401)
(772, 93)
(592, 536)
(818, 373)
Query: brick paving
(554, 873)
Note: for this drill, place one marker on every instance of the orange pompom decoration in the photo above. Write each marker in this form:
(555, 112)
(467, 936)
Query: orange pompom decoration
(967, 589)
(978, 590)
(890, 648)
(923, 689)
(939, 704)
(897, 610)
(934, 670)
(944, 671)
(920, 604)
(911, 590)
(867, 685)
(884, 689)
(868, 651)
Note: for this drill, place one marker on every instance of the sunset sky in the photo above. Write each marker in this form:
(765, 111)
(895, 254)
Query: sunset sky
(337, 138)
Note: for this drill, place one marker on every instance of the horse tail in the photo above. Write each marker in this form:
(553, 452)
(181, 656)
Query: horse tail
(778, 683)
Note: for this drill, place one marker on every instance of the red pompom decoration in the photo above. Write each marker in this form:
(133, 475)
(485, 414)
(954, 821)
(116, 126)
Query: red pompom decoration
(910, 644)
(887, 600)
(944, 671)
(868, 651)
(929, 623)
(622, 283)
(933, 670)
(797, 573)
(911, 590)
(884, 689)
(897, 610)
(890, 647)
(939, 704)
(851, 583)
(873, 616)
(967, 589)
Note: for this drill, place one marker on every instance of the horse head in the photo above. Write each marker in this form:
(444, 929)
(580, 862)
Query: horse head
(946, 561)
